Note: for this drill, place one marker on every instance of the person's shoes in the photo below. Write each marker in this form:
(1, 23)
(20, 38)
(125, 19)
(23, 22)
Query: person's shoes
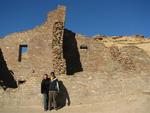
(50, 109)
(56, 108)
(45, 109)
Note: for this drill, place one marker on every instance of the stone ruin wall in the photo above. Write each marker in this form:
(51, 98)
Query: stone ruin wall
(43, 42)
(53, 48)
(102, 53)
(59, 65)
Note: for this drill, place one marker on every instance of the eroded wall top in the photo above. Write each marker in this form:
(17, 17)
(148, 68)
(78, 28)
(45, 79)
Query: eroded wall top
(38, 42)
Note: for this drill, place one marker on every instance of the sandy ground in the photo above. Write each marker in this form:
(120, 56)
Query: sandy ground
(134, 104)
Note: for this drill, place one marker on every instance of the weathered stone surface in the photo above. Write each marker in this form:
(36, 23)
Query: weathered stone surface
(57, 48)
(99, 68)
(39, 41)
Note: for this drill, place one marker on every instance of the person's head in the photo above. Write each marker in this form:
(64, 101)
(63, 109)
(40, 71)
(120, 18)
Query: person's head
(53, 75)
(45, 76)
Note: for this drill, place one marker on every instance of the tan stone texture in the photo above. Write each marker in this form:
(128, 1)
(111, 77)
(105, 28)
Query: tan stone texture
(93, 69)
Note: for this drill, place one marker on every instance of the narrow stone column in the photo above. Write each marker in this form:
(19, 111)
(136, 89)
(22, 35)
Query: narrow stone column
(59, 66)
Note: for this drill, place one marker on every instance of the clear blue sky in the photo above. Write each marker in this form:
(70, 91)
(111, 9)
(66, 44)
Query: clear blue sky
(88, 17)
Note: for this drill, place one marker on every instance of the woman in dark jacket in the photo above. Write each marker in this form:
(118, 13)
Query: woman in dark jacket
(45, 90)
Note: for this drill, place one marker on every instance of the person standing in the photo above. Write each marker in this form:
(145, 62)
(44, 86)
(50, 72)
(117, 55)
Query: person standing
(53, 90)
(45, 90)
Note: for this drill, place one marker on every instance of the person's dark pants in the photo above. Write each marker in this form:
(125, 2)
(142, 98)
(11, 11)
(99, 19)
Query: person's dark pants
(52, 100)
(45, 101)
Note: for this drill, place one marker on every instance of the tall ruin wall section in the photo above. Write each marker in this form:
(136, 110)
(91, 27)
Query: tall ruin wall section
(42, 42)
(101, 68)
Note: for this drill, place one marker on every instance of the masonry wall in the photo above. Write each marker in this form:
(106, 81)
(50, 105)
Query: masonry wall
(100, 54)
(94, 55)
(39, 57)
(99, 72)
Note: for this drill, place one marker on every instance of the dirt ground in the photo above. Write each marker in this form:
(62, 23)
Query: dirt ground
(131, 104)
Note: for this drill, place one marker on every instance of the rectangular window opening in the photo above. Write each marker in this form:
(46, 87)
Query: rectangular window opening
(83, 46)
(23, 49)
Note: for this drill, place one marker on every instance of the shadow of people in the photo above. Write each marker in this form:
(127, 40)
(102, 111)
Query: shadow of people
(71, 53)
(6, 75)
(63, 98)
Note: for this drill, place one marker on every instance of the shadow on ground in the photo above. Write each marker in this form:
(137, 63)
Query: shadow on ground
(63, 98)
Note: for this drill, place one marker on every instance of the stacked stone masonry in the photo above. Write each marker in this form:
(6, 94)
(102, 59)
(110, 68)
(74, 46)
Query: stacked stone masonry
(57, 48)
(93, 69)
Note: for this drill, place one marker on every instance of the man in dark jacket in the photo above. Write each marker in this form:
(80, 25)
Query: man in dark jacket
(53, 90)
(45, 90)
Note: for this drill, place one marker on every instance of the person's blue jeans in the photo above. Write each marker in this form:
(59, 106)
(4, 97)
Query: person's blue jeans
(45, 101)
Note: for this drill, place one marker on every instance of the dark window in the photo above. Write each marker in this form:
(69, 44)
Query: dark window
(22, 49)
(21, 81)
(83, 47)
